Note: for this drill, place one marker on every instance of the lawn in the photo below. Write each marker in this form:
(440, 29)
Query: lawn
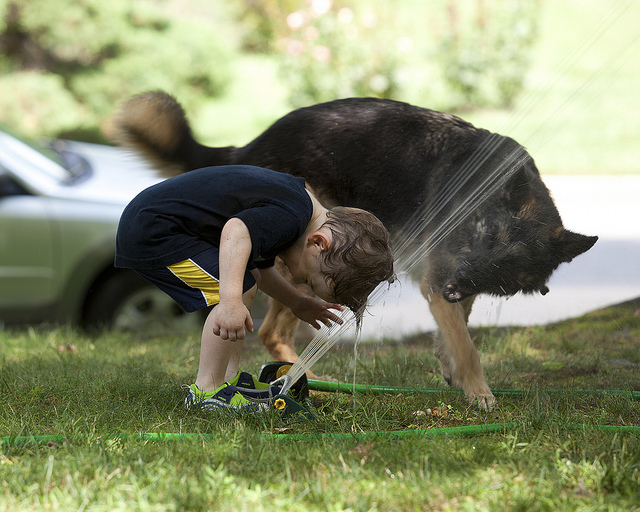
(393, 451)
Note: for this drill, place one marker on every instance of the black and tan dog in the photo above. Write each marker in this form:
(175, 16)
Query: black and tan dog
(397, 160)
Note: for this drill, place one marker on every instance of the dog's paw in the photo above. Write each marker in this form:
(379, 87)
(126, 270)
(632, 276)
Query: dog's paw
(485, 401)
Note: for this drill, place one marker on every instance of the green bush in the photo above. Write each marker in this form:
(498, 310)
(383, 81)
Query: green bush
(263, 22)
(485, 50)
(35, 103)
(180, 60)
(65, 65)
(334, 52)
(449, 54)
(68, 63)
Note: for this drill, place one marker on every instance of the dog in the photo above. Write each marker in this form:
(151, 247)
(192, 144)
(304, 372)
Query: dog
(403, 163)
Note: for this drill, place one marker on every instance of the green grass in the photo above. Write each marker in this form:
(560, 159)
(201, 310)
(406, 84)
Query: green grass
(59, 382)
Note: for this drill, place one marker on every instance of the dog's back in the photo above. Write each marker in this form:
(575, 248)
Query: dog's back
(380, 155)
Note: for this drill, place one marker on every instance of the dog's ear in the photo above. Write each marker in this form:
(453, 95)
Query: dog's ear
(567, 244)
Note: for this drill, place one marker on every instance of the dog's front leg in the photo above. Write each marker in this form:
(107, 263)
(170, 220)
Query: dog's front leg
(278, 334)
(278, 331)
(454, 348)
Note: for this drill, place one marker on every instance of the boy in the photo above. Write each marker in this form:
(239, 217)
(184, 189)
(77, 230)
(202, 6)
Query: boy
(210, 238)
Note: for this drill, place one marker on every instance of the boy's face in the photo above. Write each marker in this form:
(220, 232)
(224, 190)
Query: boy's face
(309, 273)
(320, 286)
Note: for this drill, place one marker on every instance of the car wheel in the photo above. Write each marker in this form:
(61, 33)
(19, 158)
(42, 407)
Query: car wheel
(127, 302)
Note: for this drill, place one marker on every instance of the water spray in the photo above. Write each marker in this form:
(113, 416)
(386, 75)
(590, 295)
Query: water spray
(317, 347)
(406, 254)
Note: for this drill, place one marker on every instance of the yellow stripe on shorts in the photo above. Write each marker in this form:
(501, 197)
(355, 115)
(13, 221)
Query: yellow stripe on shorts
(191, 274)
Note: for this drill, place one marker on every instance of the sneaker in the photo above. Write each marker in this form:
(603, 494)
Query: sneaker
(260, 395)
(247, 381)
(252, 388)
(225, 397)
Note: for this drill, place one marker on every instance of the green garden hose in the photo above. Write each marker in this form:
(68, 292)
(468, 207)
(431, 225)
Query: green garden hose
(467, 430)
(342, 387)
(320, 385)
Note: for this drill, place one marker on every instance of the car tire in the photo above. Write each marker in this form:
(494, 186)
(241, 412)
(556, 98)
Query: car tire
(124, 301)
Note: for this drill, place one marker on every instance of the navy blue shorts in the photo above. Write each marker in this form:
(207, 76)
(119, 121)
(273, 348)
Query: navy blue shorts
(193, 283)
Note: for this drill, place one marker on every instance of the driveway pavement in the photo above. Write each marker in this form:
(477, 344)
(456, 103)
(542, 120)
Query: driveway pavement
(609, 273)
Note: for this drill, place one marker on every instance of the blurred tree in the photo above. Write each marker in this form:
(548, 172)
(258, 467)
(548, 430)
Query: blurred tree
(333, 51)
(264, 22)
(484, 50)
(326, 49)
(330, 49)
(66, 63)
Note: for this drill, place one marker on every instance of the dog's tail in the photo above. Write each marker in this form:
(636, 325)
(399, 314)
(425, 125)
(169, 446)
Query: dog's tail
(154, 125)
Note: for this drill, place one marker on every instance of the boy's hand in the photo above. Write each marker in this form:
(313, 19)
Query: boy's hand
(230, 320)
(313, 310)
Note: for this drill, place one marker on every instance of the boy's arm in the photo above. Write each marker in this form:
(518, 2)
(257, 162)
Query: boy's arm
(309, 309)
(231, 316)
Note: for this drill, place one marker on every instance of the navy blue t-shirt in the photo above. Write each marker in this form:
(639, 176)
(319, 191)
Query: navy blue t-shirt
(182, 216)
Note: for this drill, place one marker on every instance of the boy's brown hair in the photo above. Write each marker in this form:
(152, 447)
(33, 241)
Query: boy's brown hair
(359, 258)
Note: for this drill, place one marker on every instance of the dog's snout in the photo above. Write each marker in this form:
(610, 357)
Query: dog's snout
(452, 292)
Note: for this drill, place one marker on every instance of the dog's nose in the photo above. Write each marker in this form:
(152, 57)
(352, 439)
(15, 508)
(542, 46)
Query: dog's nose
(451, 291)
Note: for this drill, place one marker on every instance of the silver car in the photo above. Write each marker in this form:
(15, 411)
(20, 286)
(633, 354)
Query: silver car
(59, 211)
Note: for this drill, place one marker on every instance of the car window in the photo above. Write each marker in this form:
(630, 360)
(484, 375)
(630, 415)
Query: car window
(9, 187)
(75, 164)
(54, 160)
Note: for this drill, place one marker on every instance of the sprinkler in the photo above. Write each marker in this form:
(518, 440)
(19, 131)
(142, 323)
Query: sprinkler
(275, 374)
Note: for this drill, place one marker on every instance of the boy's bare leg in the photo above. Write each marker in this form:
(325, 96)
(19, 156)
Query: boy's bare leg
(219, 359)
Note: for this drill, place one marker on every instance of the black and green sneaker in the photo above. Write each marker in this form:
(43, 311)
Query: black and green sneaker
(226, 397)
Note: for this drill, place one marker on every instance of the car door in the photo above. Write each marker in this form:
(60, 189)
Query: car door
(26, 249)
